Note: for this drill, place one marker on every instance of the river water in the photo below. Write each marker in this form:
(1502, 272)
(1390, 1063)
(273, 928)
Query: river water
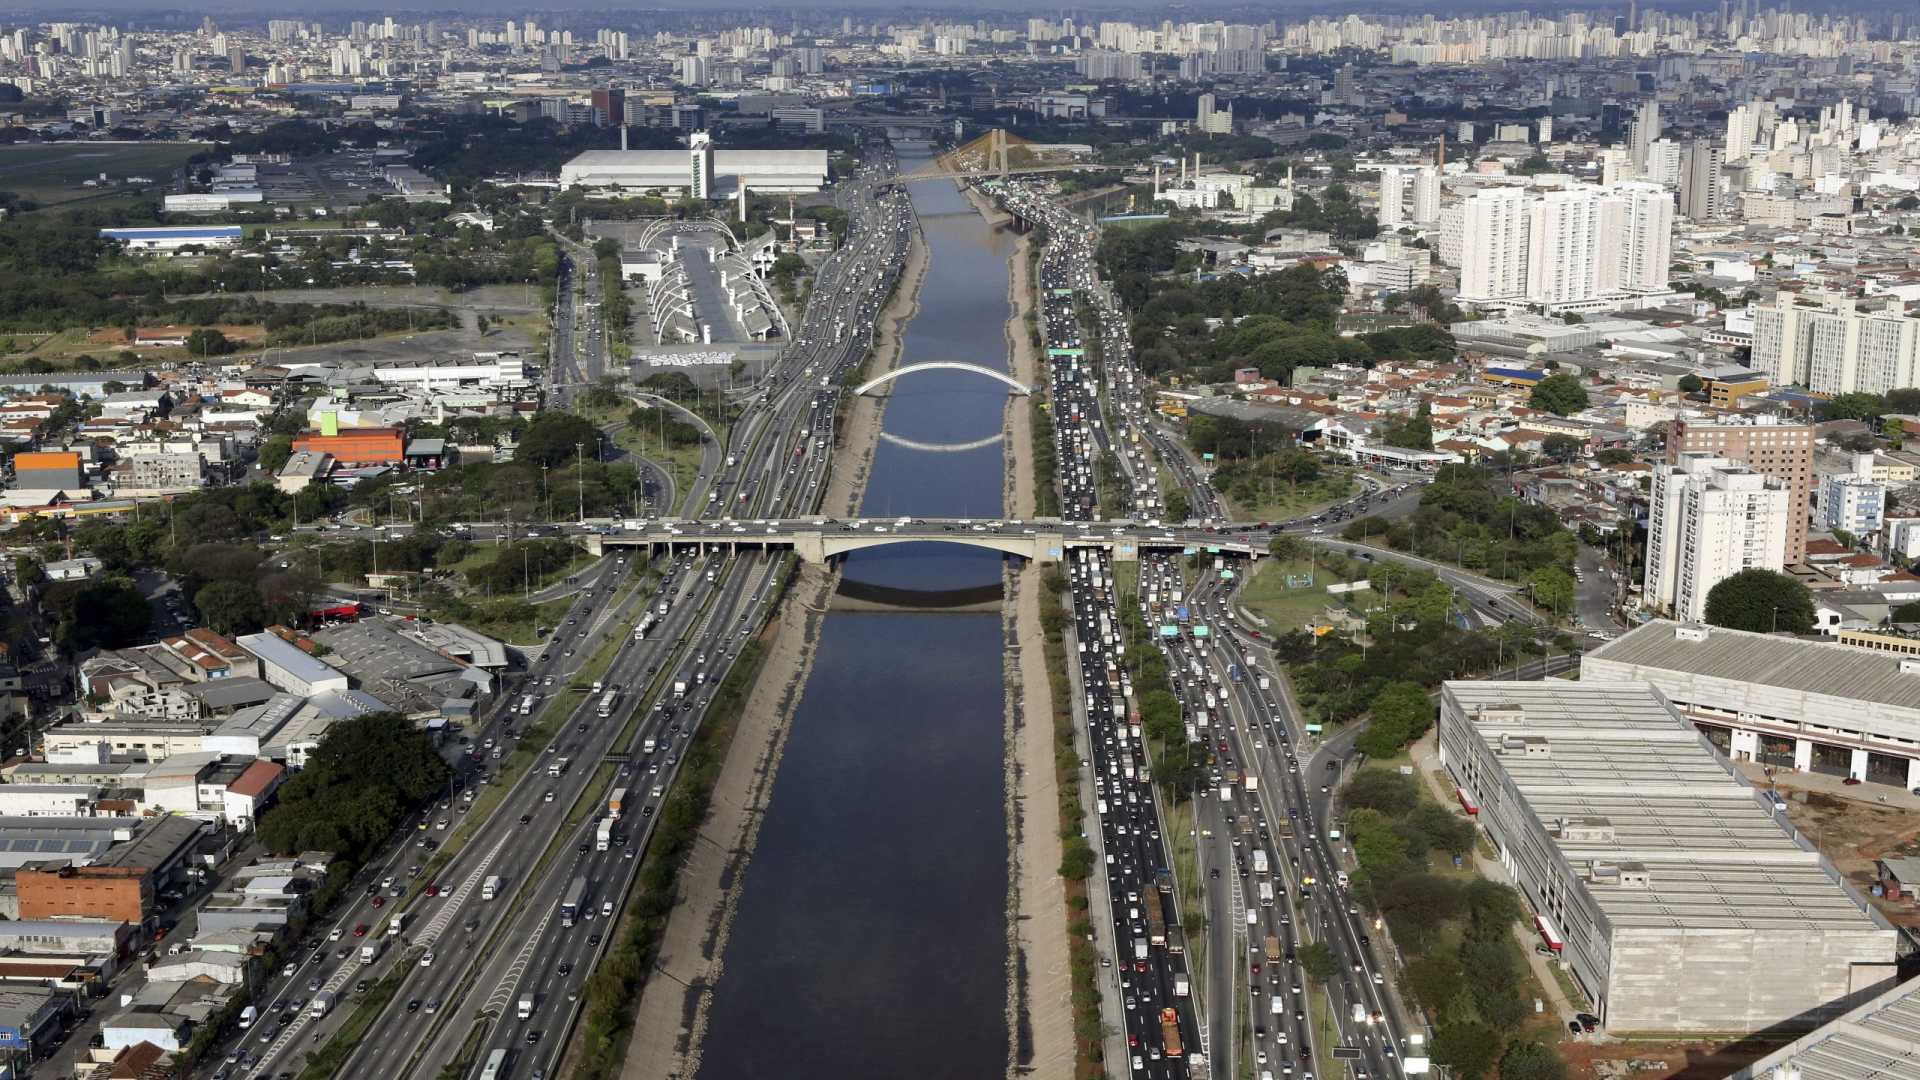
(871, 935)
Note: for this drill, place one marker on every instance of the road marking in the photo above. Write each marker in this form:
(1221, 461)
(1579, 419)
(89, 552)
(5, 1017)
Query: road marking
(502, 995)
(438, 924)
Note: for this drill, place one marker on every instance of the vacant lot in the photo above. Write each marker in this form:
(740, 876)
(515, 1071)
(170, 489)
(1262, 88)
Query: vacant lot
(1286, 606)
(54, 173)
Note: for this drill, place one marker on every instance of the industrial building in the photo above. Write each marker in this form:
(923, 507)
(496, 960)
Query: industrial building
(1879, 1039)
(1672, 894)
(1809, 706)
(170, 240)
(720, 172)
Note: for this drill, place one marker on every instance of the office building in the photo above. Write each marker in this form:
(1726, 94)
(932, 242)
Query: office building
(1785, 702)
(1831, 343)
(1708, 519)
(1654, 872)
(1765, 445)
(783, 172)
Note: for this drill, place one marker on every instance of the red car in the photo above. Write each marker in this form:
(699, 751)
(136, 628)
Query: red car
(379, 901)
(433, 890)
(360, 931)
(1850, 781)
(1256, 969)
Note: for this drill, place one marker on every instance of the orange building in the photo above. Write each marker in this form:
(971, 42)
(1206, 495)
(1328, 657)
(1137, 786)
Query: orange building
(54, 470)
(87, 892)
(358, 446)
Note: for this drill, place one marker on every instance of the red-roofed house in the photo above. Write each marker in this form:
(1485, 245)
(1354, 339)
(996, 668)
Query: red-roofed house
(250, 793)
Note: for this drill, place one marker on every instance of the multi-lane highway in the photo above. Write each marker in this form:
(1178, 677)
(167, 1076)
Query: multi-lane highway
(461, 964)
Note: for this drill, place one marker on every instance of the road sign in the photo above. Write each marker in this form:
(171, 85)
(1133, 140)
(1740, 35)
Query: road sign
(1206, 457)
(1201, 630)
(1313, 729)
(1346, 1053)
(1226, 575)
(1190, 551)
(1169, 631)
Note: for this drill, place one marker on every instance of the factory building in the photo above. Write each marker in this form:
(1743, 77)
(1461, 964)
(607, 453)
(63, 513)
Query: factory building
(701, 171)
(1673, 895)
(1808, 706)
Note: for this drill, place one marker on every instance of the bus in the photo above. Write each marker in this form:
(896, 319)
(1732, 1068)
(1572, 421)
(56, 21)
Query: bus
(570, 903)
(606, 703)
(526, 704)
(496, 1066)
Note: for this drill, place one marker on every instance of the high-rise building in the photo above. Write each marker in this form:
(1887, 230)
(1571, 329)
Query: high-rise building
(1836, 344)
(1709, 518)
(1493, 245)
(1426, 194)
(1700, 181)
(1393, 188)
(1646, 128)
(1645, 230)
(1569, 248)
(1765, 445)
(1664, 162)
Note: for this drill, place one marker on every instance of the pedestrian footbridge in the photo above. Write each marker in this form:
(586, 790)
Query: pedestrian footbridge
(944, 365)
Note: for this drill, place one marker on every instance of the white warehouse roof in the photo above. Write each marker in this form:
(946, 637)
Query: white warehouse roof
(761, 170)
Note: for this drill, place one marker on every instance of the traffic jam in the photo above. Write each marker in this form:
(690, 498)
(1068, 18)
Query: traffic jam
(1268, 863)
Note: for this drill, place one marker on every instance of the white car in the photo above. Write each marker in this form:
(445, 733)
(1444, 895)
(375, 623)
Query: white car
(426, 960)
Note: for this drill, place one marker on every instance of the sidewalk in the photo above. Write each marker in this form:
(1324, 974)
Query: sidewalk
(1426, 764)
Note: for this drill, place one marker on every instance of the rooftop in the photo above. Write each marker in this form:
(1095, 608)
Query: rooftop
(1880, 1039)
(1619, 755)
(1781, 662)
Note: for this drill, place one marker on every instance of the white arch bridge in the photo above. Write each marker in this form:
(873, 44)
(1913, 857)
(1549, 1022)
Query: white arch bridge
(945, 365)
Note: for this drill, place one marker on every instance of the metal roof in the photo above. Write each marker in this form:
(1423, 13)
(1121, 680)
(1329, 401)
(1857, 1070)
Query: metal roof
(1815, 667)
(1880, 1039)
(1618, 752)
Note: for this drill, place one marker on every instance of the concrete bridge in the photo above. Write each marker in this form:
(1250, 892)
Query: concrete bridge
(819, 540)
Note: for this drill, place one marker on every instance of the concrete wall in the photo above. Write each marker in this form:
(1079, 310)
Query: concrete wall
(1673, 979)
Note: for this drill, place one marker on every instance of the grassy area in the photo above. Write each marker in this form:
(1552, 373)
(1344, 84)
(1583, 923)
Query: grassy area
(512, 621)
(1326, 1033)
(1278, 499)
(1182, 848)
(681, 462)
(53, 174)
(1268, 595)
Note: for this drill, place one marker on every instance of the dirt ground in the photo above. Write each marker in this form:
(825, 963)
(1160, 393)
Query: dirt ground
(1854, 833)
(1659, 1060)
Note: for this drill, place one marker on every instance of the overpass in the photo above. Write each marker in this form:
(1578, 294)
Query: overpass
(819, 540)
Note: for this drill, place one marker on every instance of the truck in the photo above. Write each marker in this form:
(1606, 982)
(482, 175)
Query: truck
(1359, 1013)
(1272, 946)
(490, 888)
(558, 767)
(371, 952)
(1266, 894)
(525, 1009)
(640, 628)
(1181, 987)
(1156, 923)
(1260, 861)
(679, 688)
(322, 1004)
(397, 925)
(603, 835)
(526, 704)
(1170, 1032)
(616, 802)
(576, 895)
(1139, 948)
(649, 746)
(607, 702)
(1252, 782)
(1243, 825)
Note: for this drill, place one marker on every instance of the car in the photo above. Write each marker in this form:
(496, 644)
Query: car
(426, 959)
(432, 1005)
(337, 933)
(414, 1005)
(1851, 781)
(593, 939)
(548, 797)
(533, 1037)
(525, 818)
(360, 930)
(1573, 1026)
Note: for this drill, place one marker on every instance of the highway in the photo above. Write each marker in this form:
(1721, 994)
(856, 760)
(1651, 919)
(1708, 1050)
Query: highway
(462, 964)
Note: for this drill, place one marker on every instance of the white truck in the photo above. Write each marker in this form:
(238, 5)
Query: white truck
(679, 688)
(490, 888)
(1180, 985)
(603, 835)
(1266, 894)
(397, 924)
(649, 746)
(371, 952)
(322, 1004)
(1260, 861)
(1359, 1013)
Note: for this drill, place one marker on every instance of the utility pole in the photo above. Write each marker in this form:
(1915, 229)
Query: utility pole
(580, 477)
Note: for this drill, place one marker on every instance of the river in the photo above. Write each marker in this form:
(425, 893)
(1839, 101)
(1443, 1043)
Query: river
(871, 934)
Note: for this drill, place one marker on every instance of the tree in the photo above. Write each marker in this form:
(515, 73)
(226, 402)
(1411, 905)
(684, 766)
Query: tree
(1552, 589)
(366, 773)
(1401, 714)
(1690, 383)
(1286, 546)
(1763, 601)
(1907, 613)
(1853, 407)
(1562, 448)
(1559, 394)
(275, 452)
(1317, 961)
(552, 438)
(1528, 1060)
(1468, 1047)
(208, 341)
(30, 573)
(1381, 789)
(229, 606)
(1178, 508)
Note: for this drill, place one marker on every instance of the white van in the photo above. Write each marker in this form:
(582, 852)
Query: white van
(247, 1016)
(606, 908)
(1278, 1007)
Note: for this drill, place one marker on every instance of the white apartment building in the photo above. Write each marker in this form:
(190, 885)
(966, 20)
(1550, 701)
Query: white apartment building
(1579, 248)
(1708, 519)
(1426, 194)
(1835, 344)
(1854, 501)
(1393, 193)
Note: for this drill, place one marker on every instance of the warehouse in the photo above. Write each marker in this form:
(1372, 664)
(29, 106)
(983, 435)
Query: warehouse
(1880, 1039)
(768, 172)
(173, 240)
(1671, 894)
(1809, 706)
